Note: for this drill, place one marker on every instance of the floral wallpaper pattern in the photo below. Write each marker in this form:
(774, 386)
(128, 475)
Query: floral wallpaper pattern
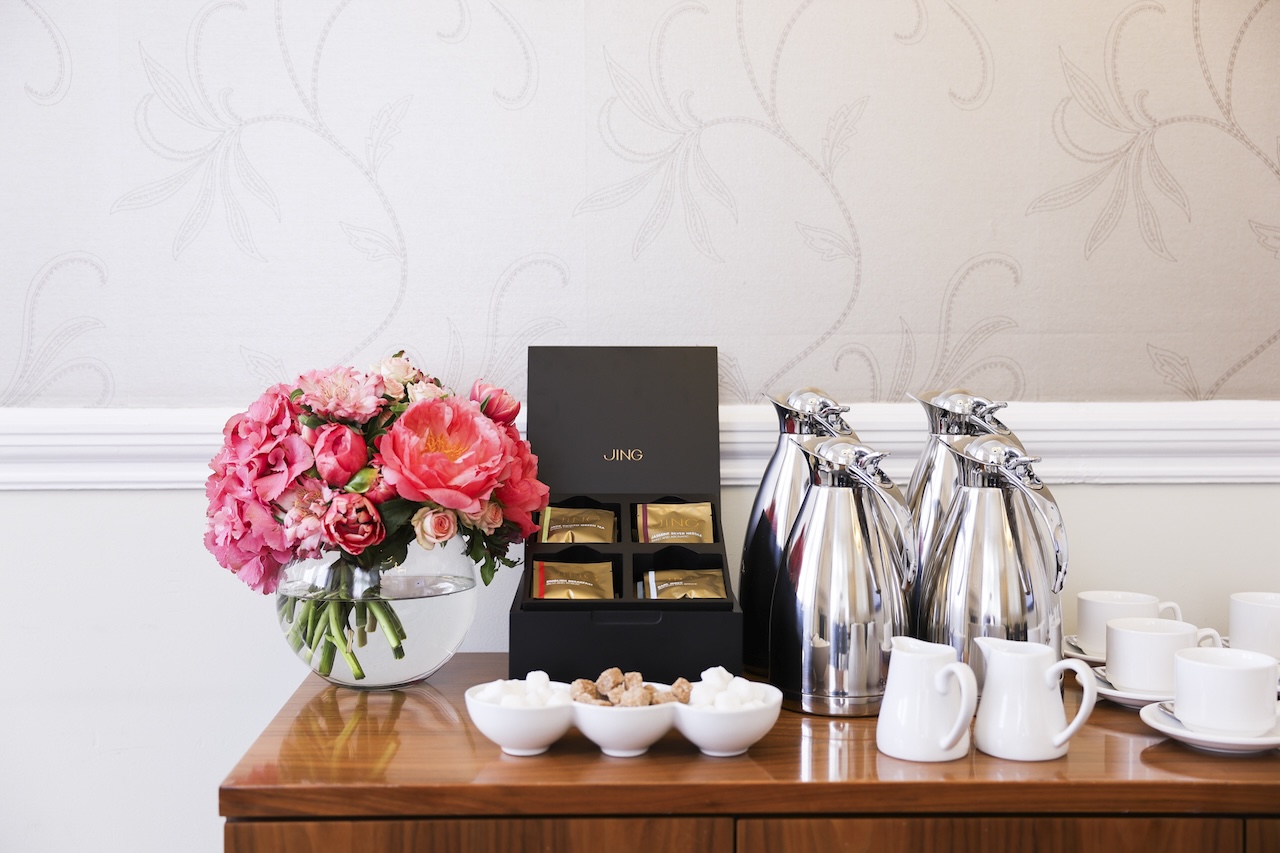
(1038, 201)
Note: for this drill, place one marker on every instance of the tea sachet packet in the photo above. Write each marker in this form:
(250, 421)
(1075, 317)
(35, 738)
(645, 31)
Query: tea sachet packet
(675, 522)
(552, 580)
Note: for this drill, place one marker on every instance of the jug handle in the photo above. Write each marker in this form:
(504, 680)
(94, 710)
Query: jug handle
(1085, 677)
(968, 685)
(1042, 499)
(891, 497)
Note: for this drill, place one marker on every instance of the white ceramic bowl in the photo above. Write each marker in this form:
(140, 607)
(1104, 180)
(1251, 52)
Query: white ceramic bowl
(722, 733)
(524, 730)
(624, 732)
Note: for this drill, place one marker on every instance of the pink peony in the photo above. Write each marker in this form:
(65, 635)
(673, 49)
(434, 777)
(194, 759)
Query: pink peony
(521, 493)
(342, 393)
(381, 490)
(500, 406)
(434, 527)
(340, 452)
(352, 523)
(444, 451)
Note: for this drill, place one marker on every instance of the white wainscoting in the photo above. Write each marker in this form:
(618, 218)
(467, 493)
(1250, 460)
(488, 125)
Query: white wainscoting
(1193, 442)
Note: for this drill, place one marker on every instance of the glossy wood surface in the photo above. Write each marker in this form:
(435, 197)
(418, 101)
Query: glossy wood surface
(991, 835)
(338, 753)
(530, 835)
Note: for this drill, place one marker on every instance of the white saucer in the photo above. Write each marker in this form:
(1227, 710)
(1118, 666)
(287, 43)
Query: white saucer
(1128, 698)
(1072, 650)
(1165, 723)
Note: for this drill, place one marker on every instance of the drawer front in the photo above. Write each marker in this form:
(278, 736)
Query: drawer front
(1262, 836)
(570, 835)
(993, 835)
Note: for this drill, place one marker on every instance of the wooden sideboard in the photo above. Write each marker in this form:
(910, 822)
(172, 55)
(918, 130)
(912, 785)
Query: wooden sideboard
(340, 771)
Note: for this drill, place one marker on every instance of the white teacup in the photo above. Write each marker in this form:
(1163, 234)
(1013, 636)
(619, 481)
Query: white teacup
(1228, 692)
(929, 700)
(1140, 651)
(1255, 622)
(1095, 608)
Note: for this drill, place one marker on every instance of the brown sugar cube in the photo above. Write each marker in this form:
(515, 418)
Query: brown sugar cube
(586, 699)
(662, 697)
(608, 680)
(584, 687)
(650, 689)
(635, 697)
(681, 689)
(633, 679)
(615, 694)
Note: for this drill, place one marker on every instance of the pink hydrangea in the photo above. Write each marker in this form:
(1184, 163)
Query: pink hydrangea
(342, 393)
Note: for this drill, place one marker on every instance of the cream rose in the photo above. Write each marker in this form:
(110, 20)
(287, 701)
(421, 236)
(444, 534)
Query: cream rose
(434, 527)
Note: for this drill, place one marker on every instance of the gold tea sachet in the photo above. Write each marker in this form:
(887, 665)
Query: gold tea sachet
(572, 580)
(683, 583)
(569, 524)
(675, 522)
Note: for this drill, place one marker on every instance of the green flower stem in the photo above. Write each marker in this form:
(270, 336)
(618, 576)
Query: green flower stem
(390, 626)
(328, 651)
(337, 635)
(362, 616)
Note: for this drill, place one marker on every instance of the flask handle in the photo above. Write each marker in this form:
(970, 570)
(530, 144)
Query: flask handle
(891, 496)
(1017, 471)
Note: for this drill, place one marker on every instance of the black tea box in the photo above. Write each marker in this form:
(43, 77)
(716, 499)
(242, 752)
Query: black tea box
(617, 428)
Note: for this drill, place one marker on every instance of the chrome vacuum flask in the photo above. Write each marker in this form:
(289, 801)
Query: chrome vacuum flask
(1001, 556)
(805, 412)
(840, 597)
(934, 480)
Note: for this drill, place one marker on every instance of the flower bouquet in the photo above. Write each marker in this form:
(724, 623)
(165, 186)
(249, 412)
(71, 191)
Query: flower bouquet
(358, 469)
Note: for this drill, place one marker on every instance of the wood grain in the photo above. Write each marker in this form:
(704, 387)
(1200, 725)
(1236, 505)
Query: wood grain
(338, 753)
(991, 835)
(581, 835)
(1262, 836)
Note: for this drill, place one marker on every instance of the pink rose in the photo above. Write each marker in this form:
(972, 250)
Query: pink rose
(398, 373)
(496, 403)
(340, 453)
(434, 527)
(352, 523)
(488, 519)
(427, 389)
(342, 393)
(446, 452)
(521, 493)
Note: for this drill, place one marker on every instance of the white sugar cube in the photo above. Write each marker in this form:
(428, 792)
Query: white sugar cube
(727, 701)
(703, 693)
(513, 700)
(718, 676)
(491, 692)
(537, 680)
(559, 697)
(741, 688)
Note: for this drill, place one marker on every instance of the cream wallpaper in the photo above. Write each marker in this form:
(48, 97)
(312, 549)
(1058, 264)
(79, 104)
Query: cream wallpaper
(1041, 200)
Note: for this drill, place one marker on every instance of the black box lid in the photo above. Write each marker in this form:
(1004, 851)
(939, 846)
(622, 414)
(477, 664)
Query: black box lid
(625, 419)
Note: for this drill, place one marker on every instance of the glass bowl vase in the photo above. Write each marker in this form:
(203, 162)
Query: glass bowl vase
(381, 626)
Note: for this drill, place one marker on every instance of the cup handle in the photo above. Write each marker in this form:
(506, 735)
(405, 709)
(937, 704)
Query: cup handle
(1084, 675)
(1172, 606)
(1215, 639)
(968, 699)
